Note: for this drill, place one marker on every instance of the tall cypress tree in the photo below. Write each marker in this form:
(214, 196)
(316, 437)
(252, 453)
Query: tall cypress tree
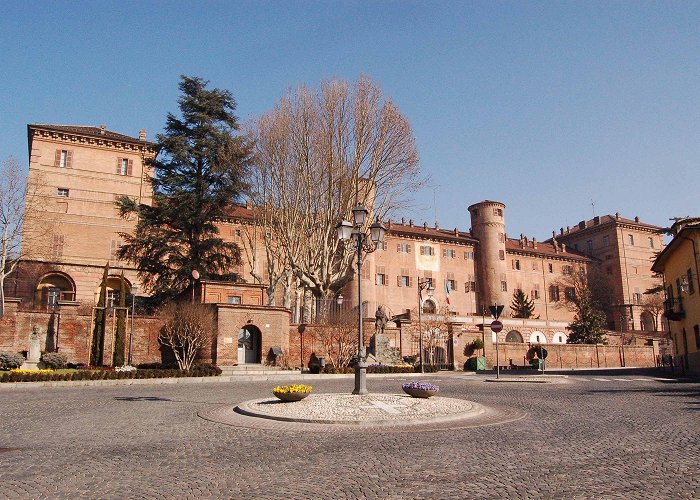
(98, 330)
(120, 335)
(198, 174)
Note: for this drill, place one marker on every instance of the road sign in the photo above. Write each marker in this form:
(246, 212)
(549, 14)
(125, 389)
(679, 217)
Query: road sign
(496, 326)
(496, 310)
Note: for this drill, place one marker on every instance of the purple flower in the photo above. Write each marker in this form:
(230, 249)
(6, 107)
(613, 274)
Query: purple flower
(423, 386)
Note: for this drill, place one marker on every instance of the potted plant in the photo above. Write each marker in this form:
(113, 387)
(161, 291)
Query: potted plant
(418, 389)
(290, 393)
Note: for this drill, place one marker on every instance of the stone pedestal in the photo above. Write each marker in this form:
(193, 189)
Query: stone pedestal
(34, 351)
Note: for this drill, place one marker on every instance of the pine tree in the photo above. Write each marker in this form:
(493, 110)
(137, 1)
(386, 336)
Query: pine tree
(588, 325)
(198, 175)
(120, 334)
(98, 331)
(522, 306)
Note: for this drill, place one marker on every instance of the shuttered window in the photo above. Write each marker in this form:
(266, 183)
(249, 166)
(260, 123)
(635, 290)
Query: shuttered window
(63, 158)
(125, 166)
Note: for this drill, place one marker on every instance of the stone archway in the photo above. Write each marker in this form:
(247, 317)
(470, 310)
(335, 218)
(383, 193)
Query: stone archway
(249, 345)
(514, 336)
(646, 320)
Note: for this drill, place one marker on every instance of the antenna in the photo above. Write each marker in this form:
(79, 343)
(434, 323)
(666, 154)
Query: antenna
(593, 206)
(434, 207)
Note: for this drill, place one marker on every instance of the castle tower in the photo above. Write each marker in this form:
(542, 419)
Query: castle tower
(488, 226)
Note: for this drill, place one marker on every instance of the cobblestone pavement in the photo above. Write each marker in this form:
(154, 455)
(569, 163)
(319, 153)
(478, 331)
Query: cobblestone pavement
(580, 439)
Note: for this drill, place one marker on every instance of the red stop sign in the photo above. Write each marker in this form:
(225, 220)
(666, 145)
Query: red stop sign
(496, 326)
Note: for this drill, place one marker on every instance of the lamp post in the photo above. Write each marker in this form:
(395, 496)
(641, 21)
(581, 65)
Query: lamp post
(134, 289)
(195, 277)
(426, 284)
(355, 232)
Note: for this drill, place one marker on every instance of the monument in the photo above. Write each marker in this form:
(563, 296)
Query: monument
(34, 352)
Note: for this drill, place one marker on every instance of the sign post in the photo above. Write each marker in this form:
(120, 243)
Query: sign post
(496, 326)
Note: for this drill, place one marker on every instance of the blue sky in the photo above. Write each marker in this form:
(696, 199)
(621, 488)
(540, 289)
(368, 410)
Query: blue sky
(545, 106)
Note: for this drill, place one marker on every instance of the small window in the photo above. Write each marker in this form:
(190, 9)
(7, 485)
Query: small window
(63, 158)
(469, 255)
(535, 294)
(53, 297)
(501, 237)
(504, 286)
(630, 239)
(566, 270)
(551, 268)
(450, 285)
(498, 212)
(112, 298)
(589, 245)
(502, 254)
(569, 293)
(606, 241)
(403, 248)
(233, 299)
(651, 242)
(427, 250)
(516, 264)
(404, 281)
(380, 279)
(63, 192)
(449, 253)
(553, 293)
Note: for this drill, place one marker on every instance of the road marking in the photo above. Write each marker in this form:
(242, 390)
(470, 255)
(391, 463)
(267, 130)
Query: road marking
(602, 379)
(584, 379)
(624, 380)
(663, 379)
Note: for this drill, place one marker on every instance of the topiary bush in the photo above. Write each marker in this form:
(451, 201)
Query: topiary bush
(54, 360)
(11, 360)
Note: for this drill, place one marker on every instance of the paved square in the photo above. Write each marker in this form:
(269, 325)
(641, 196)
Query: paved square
(637, 438)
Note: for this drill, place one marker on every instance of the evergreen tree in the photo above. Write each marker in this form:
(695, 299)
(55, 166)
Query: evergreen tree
(197, 176)
(522, 306)
(120, 334)
(589, 323)
(98, 330)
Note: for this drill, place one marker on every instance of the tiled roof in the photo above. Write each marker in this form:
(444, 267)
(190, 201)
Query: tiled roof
(429, 232)
(605, 219)
(545, 249)
(87, 131)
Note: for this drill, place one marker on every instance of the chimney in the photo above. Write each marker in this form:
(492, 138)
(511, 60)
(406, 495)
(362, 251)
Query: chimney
(142, 135)
(568, 229)
(617, 215)
(103, 127)
(403, 220)
(636, 218)
(582, 224)
(561, 231)
(596, 220)
(437, 226)
(425, 226)
(456, 232)
(534, 243)
(563, 247)
(248, 204)
(410, 222)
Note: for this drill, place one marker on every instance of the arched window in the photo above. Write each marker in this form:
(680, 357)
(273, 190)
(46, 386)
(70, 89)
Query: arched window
(429, 307)
(53, 287)
(514, 336)
(538, 337)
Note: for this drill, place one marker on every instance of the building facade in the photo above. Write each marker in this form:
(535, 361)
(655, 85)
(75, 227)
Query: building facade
(87, 168)
(679, 264)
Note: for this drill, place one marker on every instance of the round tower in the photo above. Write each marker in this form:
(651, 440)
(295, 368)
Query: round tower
(488, 226)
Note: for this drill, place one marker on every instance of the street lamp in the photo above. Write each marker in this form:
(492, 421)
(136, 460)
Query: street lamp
(195, 277)
(422, 285)
(134, 289)
(356, 233)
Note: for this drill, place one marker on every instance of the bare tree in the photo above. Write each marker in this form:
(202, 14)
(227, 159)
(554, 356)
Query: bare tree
(318, 154)
(339, 338)
(187, 329)
(435, 329)
(653, 303)
(24, 231)
(579, 287)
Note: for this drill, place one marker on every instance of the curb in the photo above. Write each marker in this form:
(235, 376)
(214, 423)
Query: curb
(199, 380)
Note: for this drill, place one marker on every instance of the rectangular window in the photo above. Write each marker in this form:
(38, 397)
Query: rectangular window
(535, 267)
(553, 293)
(636, 297)
(498, 212)
(381, 245)
(63, 158)
(365, 272)
(112, 298)
(450, 285)
(380, 279)
(63, 192)
(469, 255)
(504, 286)
(651, 242)
(689, 277)
(535, 294)
(125, 166)
(53, 296)
(569, 293)
(589, 245)
(516, 264)
(566, 270)
(501, 237)
(502, 254)
(114, 248)
(427, 250)
(606, 241)
(449, 253)
(403, 248)
(630, 239)
(403, 281)
(551, 268)
(233, 299)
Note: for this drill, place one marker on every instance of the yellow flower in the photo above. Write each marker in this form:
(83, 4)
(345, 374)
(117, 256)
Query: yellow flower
(26, 372)
(287, 389)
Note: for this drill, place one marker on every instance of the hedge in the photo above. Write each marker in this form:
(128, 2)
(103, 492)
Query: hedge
(196, 371)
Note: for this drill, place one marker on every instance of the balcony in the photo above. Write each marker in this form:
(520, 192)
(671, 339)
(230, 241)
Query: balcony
(673, 309)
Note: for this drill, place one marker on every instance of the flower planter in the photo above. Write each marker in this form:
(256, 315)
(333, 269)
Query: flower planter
(419, 393)
(289, 397)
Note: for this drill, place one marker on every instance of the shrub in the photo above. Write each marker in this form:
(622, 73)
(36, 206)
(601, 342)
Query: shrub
(54, 360)
(10, 360)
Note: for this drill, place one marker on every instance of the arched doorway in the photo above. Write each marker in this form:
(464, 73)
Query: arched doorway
(249, 345)
(53, 287)
(647, 321)
(429, 307)
(514, 336)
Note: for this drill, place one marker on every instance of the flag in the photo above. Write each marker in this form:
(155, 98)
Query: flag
(447, 293)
